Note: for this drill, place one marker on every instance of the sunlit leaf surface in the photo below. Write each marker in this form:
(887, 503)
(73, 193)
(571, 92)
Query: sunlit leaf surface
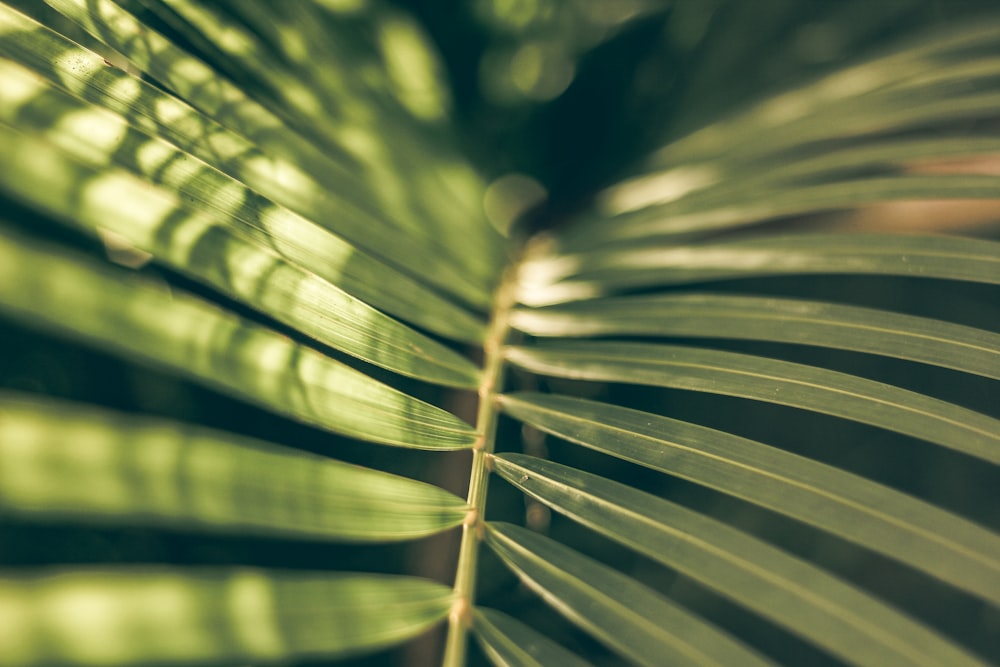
(106, 200)
(306, 160)
(781, 156)
(194, 193)
(773, 381)
(831, 613)
(390, 98)
(874, 516)
(146, 616)
(630, 618)
(118, 311)
(553, 279)
(510, 643)
(149, 108)
(768, 319)
(61, 460)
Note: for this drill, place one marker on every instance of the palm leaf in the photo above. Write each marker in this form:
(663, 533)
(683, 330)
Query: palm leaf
(62, 460)
(875, 516)
(829, 612)
(510, 643)
(64, 292)
(570, 277)
(120, 617)
(320, 164)
(99, 138)
(85, 74)
(773, 381)
(156, 221)
(631, 619)
(781, 320)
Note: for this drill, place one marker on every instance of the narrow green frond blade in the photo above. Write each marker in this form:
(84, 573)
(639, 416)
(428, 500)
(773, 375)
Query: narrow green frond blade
(510, 643)
(378, 61)
(119, 311)
(785, 320)
(840, 618)
(772, 381)
(100, 138)
(63, 460)
(862, 93)
(628, 617)
(683, 217)
(145, 616)
(786, 154)
(201, 245)
(876, 517)
(557, 278)
(782, 171)
(149, 108)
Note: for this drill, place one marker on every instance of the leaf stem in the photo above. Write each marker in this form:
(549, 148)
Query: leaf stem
(460, 618)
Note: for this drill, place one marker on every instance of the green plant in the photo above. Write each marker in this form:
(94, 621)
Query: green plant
(292, 223)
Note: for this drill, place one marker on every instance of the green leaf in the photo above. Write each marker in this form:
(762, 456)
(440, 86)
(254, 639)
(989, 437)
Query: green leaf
(768, 319)
(720, 176)
(150, 109)
(735, 179)
(100, 138)
(230, 105)
(628, 617)
(306, 64)
(865, 98)
(118, 311)
(782, 171)
(873, 516)
(64, 460)
(773, 381)
(840, 618)
(203, 242)
(733, 211)
(145, 616)
(510, 643)
(556, 278)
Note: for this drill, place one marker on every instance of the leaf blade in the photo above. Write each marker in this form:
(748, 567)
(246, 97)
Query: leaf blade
(791, 592)
(202, 245)
(510, 643)
(115, 310)
(630, 618)
(924, 256)
(149, 108)
(719, 315)
(64, 460)
(772, 381)
(131, 616)
(873, 516)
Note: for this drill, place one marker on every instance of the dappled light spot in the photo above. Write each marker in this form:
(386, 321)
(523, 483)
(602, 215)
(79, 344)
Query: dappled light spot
(657, 188)
(515, 14)
(344, 6)
(125, 89)
(16, 88)
(252, 607)
(110, 194)
(412, 68)
(509, 197)
(541, 71)
(609, 13)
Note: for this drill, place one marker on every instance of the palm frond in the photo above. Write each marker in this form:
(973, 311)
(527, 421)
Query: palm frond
(290, 190)
(128, 616)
